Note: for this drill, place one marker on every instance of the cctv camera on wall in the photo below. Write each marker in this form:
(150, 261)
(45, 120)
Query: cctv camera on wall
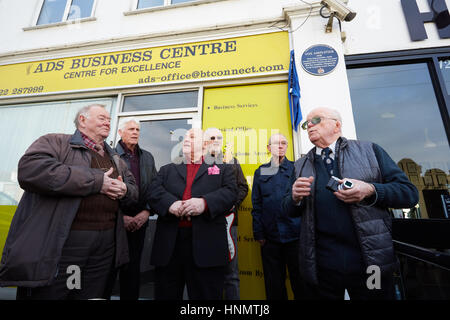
(340, 10)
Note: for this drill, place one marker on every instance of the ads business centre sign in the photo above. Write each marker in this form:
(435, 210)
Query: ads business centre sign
(224, 58)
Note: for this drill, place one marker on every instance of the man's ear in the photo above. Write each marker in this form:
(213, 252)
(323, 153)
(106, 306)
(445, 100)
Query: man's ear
(120, 132)
(81, 120)
(338, 126)
(268, 148)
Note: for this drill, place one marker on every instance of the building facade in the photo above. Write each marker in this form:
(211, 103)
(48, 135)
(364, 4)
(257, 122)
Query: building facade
(177, 64)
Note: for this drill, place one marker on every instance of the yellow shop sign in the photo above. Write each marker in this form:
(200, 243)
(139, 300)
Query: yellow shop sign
(224, 58)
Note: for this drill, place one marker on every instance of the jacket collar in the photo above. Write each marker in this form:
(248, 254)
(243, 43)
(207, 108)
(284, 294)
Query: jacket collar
(77, 141)
(272, 171)
(121, 151)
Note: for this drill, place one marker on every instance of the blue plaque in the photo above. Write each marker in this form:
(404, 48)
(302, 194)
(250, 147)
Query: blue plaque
(319, 60)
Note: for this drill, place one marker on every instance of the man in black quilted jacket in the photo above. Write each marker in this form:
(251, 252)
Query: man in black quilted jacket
(346, 233)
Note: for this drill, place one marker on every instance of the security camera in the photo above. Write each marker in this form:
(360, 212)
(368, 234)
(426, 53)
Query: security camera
(339, 9)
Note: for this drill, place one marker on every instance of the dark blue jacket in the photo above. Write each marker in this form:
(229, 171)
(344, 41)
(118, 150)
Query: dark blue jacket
(147, 174)
(269, 188)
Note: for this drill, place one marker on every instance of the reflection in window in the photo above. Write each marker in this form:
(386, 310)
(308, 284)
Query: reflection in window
(55, 10)
(80, 9)
(163, 138)
(444, 66)
(173, 100)
(52, 11)
(395, 107)
(149, 3)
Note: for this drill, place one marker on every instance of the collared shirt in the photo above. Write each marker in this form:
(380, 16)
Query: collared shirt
(91, 144)
(332, 148)
(191, 172)
(133, 158)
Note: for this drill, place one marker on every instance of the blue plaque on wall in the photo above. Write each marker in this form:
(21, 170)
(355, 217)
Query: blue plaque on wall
(319, 60)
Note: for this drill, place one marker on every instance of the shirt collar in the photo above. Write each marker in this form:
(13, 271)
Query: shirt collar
(88, 142)
(331, 146)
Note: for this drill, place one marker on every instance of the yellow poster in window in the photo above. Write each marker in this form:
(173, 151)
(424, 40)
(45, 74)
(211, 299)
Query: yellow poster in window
(187, 62)
(247, 116)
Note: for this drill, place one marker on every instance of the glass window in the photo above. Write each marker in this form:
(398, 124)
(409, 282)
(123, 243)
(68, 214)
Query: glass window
(173, 100)
(396, 107)
(149, 3)
(155, 3)
(180, 1)
(80, 9)
(55, 10)
(23, 124)
(444, 65)
(52, 11)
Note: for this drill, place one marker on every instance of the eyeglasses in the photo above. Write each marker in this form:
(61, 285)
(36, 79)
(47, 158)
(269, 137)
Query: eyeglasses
(214, 138)
(315, 120)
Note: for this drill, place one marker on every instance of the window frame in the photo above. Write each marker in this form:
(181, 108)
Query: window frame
(429, 56)
(64, 19)
(167, 5)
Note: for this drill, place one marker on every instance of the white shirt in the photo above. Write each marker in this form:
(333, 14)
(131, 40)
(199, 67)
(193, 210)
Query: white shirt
(332, 148)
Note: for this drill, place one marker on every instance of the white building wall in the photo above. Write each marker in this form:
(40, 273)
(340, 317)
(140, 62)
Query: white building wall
(113, 21)
(380, 25)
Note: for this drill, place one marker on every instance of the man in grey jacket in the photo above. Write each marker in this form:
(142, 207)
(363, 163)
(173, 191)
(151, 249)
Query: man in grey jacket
(67, 233)
(345, 230)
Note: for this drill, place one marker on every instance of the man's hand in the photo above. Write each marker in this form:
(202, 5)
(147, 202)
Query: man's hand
(129, 223)
(192, 207)
(109, 187)
(301, 188)
(141, 218)
(122, 186)
(262, 242)
(175, 208)
(113, 188)
(357, 193)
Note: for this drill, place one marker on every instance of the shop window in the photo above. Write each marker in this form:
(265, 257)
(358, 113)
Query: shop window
(156, 3)
(54, 11)
(396, 107)
(162, 101)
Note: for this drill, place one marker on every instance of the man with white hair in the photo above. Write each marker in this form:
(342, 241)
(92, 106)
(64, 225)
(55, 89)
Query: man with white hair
(342, 190)
(214, 143)
(190, 244)
(142, 164)
(67, 233)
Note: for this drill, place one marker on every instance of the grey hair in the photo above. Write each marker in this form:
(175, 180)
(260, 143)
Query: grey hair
(275, 134)
(208, 131)
(123, 122)
(85, 112)
(335, 114)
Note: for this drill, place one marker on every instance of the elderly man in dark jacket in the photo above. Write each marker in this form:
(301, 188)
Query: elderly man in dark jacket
(347, 230)
(142, 165)
(277, 233)
(190, 244)
(67, 233)
(214, 143)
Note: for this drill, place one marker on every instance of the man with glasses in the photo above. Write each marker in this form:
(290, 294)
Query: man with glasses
(214, 144)
(276, 232)
(346, 226)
